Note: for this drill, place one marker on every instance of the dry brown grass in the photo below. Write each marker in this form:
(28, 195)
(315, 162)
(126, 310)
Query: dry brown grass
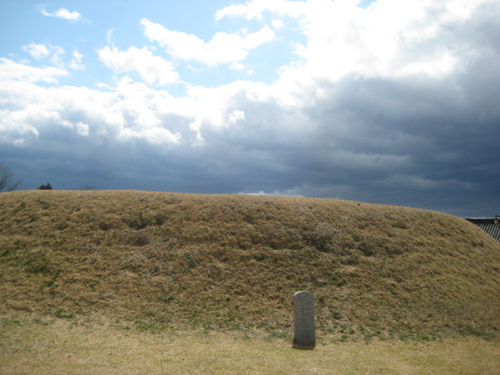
(161, 261)
(61, 347)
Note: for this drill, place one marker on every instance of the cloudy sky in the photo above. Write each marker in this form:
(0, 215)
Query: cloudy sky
(387, 101)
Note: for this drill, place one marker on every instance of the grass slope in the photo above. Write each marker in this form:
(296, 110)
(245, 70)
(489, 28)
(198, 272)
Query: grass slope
(164, 260)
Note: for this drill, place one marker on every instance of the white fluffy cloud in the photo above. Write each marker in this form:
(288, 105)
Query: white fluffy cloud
(76, 61)
(43, 51)
(11, 70)
(128, 112)
(152, 69)
(390, 38)
(64, 14)
(224, 48)
(236, 116)
(37, 51)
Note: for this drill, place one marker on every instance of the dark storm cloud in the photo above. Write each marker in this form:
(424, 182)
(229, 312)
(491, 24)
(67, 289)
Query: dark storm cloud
(418, 143)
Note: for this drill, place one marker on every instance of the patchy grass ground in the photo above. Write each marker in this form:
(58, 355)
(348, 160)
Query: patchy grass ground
(62, 347)
(163, 261)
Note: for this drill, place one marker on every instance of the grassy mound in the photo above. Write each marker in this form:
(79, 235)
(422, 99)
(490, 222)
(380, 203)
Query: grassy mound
(159, 260)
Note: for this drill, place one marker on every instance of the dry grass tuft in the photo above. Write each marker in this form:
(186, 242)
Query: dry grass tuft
(161, 261)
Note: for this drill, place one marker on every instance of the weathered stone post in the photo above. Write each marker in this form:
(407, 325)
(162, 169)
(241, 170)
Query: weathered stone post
(303, 322)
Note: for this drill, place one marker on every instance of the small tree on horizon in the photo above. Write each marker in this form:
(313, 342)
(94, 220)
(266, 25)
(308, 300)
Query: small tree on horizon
(47, 186)
(7, 182)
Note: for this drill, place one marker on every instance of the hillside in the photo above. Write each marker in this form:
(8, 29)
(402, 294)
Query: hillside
(163, 260)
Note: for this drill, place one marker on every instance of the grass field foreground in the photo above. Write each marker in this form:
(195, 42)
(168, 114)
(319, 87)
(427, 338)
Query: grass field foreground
(62, 347)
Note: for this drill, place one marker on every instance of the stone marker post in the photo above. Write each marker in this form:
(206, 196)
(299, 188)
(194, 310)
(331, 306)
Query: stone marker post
(303, 321)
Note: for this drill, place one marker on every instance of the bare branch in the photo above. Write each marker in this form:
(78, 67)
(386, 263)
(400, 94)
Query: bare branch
(7, 182)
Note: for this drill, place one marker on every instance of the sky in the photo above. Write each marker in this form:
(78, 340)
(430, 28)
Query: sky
(386, 101)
